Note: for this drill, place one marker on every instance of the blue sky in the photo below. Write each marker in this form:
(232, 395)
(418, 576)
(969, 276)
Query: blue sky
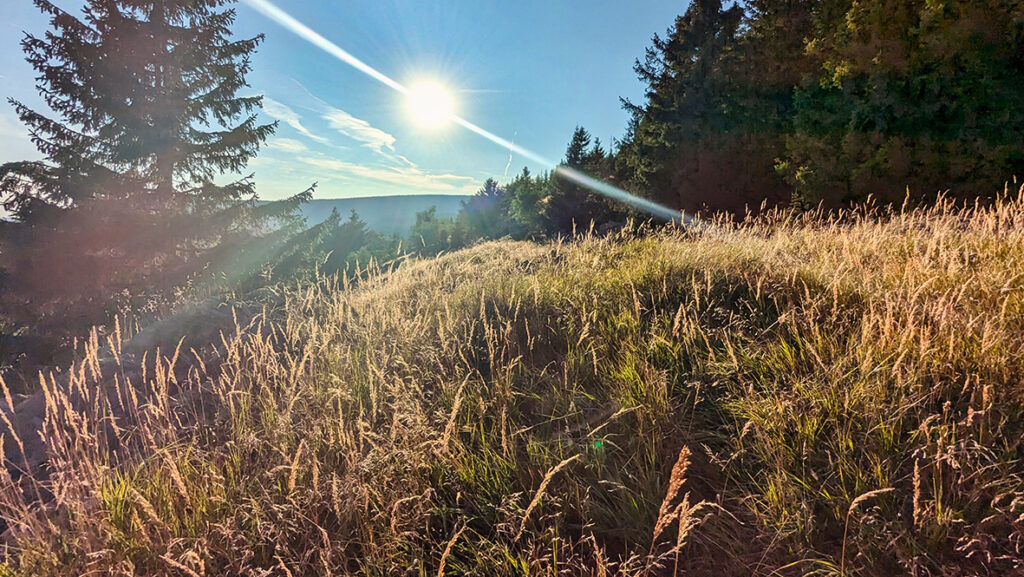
(529, 71)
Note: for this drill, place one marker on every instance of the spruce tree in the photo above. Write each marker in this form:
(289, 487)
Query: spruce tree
(528, 196)
(675, 149)
(147, 123)
(720, 104)
(571, 204)
(486, 214)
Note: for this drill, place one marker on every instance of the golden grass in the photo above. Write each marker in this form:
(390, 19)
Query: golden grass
(849, 392)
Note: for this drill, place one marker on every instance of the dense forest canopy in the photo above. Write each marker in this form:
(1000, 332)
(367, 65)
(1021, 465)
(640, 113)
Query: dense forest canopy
(829, 101)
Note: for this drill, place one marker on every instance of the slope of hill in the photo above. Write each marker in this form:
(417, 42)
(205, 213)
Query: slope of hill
(794, 397)
(388, 215)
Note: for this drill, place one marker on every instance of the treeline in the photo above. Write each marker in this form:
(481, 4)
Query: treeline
(828, 101)
(767, 103)
(529, 206)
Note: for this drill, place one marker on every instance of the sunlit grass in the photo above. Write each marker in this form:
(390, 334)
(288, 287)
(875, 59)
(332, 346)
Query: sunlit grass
(520, 409)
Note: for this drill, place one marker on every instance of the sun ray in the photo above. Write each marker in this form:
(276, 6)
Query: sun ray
(278, 15)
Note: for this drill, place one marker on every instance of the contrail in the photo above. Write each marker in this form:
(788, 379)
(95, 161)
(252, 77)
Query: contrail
(508, 166)
(271, 11)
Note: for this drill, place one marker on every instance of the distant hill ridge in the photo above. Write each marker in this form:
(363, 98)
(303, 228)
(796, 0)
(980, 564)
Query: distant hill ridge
(388, 215)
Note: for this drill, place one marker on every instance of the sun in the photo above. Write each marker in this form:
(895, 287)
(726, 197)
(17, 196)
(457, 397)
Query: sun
(430, 105)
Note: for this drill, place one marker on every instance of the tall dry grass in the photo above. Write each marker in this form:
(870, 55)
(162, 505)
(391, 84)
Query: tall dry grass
(800, 395)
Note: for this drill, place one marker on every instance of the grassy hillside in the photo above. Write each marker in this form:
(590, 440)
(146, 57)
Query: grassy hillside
(788, 398)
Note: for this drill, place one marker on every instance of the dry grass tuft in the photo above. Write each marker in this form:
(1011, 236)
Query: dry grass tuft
(540, 492)
(668, 514)
(448, 551)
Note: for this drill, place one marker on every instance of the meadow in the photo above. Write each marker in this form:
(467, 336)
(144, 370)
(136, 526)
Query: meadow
(796, 395)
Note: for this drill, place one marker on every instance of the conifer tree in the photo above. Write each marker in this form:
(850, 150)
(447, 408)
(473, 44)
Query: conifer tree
(147, 123)
(571, 204)
(674, 148)
(719, 105)
(487, 213)
(528, 196)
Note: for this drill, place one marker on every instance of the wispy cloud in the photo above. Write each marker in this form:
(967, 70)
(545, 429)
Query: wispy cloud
(352, 127)
(287, 145)
(342, 122)
(288, 116)
(387, 170)
(359, 130)
(410, 177)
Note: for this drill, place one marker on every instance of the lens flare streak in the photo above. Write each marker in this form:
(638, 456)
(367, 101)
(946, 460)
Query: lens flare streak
(284, 19)
(578, 177)
(306, 33)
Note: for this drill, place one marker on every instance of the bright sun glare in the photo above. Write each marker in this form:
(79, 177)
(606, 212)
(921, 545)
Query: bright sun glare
(431, 105)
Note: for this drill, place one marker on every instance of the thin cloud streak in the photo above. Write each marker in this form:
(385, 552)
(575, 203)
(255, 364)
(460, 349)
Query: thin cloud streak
(288, 116)
(409, 177)
(359, 130)
(397, 170)
(287, 145)
(352, 127)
